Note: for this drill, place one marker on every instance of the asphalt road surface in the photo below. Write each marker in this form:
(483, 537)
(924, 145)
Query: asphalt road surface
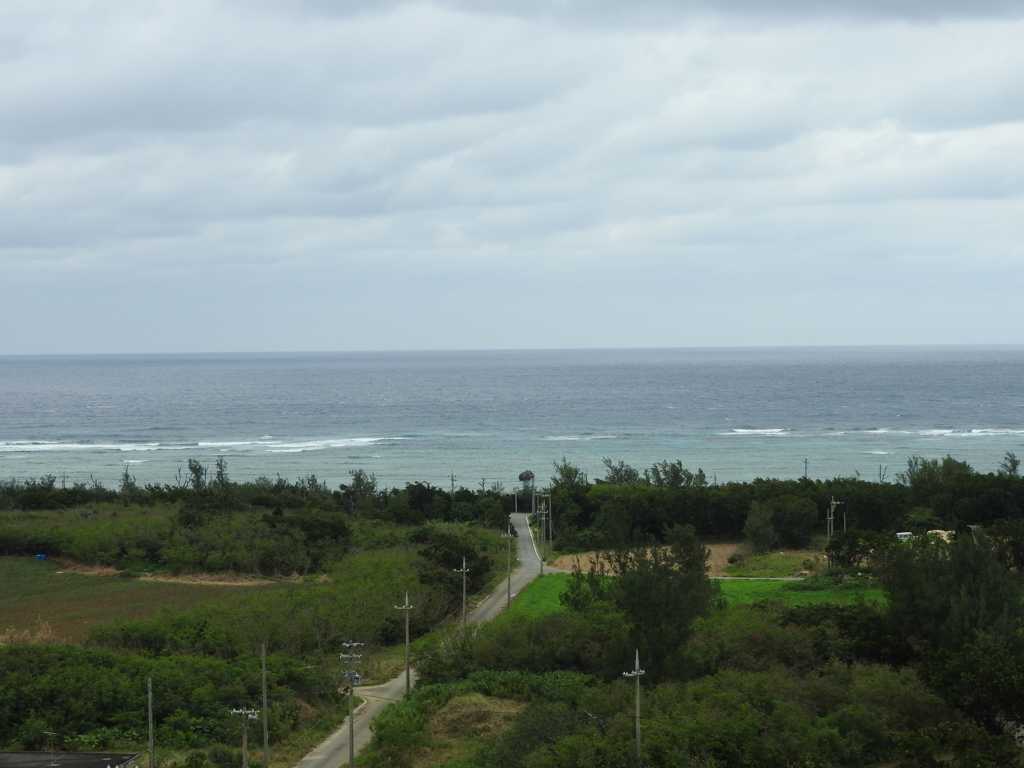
(333, 752)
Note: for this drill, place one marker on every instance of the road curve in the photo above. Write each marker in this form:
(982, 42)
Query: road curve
(333, 751)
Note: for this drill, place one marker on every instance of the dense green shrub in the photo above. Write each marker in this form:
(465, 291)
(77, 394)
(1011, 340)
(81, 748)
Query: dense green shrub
(96, 698)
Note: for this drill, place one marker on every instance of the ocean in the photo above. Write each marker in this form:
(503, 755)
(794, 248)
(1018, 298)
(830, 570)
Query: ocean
(484, 417)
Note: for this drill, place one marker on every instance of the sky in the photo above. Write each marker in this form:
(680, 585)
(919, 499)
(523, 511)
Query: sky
(247, 175)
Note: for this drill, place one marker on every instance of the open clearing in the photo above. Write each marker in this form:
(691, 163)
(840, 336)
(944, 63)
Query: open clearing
(542, 594)
(718, 560)
(43, 600)
(787, 563)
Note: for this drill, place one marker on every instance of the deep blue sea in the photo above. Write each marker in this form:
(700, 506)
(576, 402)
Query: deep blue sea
(487, 416)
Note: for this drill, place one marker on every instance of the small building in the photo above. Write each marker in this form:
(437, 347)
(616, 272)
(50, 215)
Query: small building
(904, 535)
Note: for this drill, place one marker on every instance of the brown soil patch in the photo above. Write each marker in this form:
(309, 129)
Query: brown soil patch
(212, 579)
(307, 712)
(720, 554)
(87, 570)
(204, 579)
(474, 715)
(717, 562)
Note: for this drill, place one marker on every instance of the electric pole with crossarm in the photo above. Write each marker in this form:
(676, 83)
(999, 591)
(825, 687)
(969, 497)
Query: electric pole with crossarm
(635, 674)
(463, 570)
(353, 680)
(406, 608)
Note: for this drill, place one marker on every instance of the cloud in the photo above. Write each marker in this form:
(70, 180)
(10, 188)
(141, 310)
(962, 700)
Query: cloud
(673, 162)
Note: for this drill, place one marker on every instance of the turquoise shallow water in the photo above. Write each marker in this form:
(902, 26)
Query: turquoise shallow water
(487, 416)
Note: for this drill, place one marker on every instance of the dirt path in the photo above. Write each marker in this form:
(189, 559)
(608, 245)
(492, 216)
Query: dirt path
(719, 558)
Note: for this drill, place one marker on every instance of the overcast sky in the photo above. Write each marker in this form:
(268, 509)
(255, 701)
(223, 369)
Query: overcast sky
(248, 175)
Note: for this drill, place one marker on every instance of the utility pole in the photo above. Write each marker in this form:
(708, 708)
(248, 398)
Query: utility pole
(247, 715)
(544, 528)
(551, 526)
(805, 469)
(53, 736)
(266, 712)
(152, 754)
(406, 607)
(463, 570)
(538, 516)
(547, 527)
(635, 674)
(353, 681)
(453, 482)
(509, 537)
(830, 519)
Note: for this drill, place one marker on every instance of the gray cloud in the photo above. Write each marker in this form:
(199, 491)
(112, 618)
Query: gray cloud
(657, 12)
(335, 176)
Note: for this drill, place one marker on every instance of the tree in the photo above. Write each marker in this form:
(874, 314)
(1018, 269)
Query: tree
(568, 476)
(852, 548)
(220, 477)
(922, 472)
(129, 488)
(794, 519)
(985, 680)
(945, 595)
(787, 521)
(360, 490)
(1008, 541)
(629, 513)
(619, 474)
(758, 529)
(198, 475)
(660, 591)
(1010, 465)
(673, 474)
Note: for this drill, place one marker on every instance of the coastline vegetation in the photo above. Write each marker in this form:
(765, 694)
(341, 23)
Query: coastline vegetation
(896, 653)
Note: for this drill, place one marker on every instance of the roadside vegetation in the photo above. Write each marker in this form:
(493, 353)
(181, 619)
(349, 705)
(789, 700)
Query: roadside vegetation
(887, 653)
(196, 577)
(828, 671)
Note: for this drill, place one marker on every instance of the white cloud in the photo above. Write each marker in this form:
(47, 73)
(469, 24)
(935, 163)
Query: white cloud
(647, 171)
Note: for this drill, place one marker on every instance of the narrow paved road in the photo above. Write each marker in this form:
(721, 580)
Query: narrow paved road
(333, 751)
(529, 569)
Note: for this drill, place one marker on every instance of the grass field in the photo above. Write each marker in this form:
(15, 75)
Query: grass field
(34, 591)
(746, 591)
(541, 596)
(776, 564)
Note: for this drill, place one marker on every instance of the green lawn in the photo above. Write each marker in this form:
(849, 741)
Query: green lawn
(775, 564)
(34, 590)
(541, 596)
(745, 591)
